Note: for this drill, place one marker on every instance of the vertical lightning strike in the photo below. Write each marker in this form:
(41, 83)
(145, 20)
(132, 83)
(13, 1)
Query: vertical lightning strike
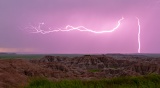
(139, 32)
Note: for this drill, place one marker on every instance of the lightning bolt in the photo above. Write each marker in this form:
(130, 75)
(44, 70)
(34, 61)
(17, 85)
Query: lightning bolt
(139, 32)
(68, 28)
(71, 28)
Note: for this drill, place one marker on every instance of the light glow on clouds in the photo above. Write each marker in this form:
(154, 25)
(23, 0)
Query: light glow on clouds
(93, 15)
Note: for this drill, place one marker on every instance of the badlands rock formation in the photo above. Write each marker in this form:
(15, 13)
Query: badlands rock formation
(17, 71)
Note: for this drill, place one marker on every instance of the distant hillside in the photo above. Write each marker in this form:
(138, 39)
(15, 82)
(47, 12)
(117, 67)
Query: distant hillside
(2, 53)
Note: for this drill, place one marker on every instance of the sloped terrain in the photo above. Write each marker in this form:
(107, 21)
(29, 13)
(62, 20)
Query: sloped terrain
(16, 72)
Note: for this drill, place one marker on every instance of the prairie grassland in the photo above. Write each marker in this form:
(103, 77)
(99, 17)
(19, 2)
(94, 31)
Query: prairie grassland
(148, 81)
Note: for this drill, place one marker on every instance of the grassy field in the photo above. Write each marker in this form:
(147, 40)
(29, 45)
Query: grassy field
(34, 56)
(38, 56)
(149, 81)
(21, 56)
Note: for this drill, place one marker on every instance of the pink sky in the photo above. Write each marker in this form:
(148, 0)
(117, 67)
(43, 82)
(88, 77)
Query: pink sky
(97, 15)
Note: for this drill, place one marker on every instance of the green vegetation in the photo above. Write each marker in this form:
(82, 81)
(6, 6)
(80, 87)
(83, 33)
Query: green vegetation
(21, 56)
(33, 56)
(149, 81)
(94, 70)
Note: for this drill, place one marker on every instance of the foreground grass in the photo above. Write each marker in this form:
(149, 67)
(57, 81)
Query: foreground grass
(149, 81)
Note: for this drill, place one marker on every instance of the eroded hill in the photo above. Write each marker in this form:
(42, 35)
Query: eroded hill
(15, 72)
